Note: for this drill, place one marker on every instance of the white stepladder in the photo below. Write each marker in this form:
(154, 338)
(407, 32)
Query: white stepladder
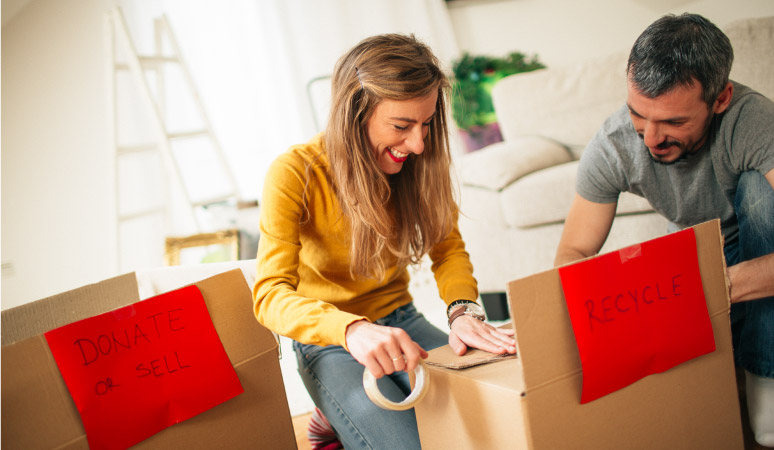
(184, 154)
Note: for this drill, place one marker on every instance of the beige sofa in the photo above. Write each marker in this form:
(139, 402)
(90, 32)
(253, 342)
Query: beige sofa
(515, 194)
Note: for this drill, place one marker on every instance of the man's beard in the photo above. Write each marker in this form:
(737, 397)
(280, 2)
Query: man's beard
(666, 144)
(684, 151)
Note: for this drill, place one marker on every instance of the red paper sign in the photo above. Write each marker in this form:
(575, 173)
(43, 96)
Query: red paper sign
(136, 370)
(637, 311)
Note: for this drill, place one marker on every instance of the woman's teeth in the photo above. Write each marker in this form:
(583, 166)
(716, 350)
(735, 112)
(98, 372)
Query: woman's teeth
(397, 154)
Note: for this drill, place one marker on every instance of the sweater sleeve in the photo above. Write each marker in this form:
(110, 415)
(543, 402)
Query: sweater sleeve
(452, 268)
(277, 303)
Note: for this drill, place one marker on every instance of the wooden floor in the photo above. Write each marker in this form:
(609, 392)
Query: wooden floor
(300, 424)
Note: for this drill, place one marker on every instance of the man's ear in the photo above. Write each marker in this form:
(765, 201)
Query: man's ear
(724, 99)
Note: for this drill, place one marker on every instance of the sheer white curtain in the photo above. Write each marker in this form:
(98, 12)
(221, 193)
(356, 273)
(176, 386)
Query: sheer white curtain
(252, 60)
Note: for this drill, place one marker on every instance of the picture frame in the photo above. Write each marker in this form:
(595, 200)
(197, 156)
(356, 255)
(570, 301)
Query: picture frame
(199, 248)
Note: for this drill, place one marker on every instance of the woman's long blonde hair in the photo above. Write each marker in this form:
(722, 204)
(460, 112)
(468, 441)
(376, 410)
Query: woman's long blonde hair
(408, 212)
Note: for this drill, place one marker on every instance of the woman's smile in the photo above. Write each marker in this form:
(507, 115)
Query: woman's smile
(397, 156)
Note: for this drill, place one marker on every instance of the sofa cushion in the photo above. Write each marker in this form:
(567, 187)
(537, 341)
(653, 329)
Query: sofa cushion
(564, 103)
(545, 197)
(497, 165)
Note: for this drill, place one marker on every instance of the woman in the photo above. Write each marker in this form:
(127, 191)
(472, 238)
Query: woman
(343, 216)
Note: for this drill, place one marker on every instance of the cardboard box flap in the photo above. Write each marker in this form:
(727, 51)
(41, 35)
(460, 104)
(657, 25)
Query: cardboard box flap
(236, 326)
(445, 357)
(37, 317)
(544, 338)
(544, 335)
(712, 265)
(502, 372)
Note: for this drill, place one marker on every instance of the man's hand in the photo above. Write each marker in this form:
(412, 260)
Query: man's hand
(751, 280)
(382, 350)
(467, 332)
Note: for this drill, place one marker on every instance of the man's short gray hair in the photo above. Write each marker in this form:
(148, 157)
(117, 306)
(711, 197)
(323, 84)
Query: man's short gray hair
(677, 51)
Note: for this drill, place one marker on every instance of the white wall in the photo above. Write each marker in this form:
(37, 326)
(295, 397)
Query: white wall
(56, 190)
(567, 31)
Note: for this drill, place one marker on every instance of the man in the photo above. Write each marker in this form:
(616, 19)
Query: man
(697, 146)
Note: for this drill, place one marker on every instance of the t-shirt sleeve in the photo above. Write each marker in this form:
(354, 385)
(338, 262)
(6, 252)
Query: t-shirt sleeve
(749, 134)
(599, 179)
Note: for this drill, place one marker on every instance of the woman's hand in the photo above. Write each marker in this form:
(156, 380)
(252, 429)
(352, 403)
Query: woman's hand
(467, 332)
(382, 350)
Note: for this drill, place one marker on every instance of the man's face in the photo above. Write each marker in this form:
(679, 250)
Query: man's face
(671, 125)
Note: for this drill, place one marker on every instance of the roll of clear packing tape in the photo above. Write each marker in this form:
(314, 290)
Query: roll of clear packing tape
(421, 385)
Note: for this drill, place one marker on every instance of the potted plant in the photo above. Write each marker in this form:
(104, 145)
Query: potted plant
(472, 109)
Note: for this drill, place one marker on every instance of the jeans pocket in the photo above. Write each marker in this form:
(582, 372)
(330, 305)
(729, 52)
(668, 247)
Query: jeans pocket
(308, 354)
(304, 353)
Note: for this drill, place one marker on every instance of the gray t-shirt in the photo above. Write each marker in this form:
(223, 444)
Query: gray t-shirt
(695, 189)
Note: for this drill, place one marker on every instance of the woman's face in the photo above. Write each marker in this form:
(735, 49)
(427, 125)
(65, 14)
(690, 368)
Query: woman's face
(397, 129)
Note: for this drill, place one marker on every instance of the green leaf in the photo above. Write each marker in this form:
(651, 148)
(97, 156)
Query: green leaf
(474, 77)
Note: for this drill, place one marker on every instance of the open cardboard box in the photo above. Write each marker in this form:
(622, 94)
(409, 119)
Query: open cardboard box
(38, 411)
(533, 401)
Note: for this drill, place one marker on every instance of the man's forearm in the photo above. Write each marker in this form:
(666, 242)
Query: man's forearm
(566, 255)
(585, 230)
(751, 280)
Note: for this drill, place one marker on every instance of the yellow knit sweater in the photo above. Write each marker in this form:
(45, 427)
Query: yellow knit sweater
(303, 287)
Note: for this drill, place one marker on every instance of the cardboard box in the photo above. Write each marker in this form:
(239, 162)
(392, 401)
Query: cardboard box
(533, 401)
(38, 412)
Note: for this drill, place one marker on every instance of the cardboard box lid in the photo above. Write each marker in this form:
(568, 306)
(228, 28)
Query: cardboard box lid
(38, 412)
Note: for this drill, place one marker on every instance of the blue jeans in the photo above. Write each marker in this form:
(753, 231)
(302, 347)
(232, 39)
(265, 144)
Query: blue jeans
(335, 382)
(752, 322)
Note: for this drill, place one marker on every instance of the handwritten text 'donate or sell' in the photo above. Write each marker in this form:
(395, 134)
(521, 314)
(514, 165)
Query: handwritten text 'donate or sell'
(141, 333)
